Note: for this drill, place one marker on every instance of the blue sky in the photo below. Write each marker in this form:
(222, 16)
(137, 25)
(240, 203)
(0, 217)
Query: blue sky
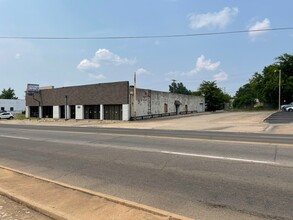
(229, 59)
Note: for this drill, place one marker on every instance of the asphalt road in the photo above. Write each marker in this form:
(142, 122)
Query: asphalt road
(281, 117)
(203, 175)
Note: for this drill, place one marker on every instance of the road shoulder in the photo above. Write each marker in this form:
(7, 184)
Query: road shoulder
(61, 201)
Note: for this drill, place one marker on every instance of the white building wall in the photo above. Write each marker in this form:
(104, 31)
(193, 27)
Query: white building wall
(125, 112)
(153, 102)
(40, 111)
(27, 111)
(79, 112)
(18, 105)
(68, 112)
(101, 112)
(56, 111)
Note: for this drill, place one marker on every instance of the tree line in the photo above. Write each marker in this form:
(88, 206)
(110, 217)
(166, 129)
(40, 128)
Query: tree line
(261, 89)
(264, 87)
(215, 98)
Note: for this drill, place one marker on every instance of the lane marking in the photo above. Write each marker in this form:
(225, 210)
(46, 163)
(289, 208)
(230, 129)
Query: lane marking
(167, 152)
(219, 157)
(15, 137)
(174, 138)
(167, 137)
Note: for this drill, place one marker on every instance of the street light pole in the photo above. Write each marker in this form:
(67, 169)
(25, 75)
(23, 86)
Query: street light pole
(280, 89)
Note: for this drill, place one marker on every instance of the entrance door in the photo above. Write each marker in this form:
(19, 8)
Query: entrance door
(72, 111)
(165, 108)
(34, 112)
(177, 109)
(62, 111)
(47, 111)
(92, 111)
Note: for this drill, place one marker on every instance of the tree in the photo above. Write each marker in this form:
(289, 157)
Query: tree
(256, 84)
(215, 98)
(285, 64)
(247, 94)
(245, 97)
(179, 88)
(8, 94)
(265, 86)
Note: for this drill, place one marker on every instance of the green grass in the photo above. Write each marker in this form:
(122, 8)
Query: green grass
(19, 116)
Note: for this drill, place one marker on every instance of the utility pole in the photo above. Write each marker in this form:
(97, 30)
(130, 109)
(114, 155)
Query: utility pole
(134, 94)
(280, 75)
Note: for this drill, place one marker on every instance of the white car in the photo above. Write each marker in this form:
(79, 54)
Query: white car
(284, 107)
(6, 115)
(289, 109)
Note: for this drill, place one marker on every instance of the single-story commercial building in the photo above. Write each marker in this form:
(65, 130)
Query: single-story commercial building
(107, 101)
(14, 106)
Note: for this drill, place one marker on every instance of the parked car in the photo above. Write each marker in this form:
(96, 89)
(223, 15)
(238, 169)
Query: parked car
(289, 109)
(284, 107)
(6, 115)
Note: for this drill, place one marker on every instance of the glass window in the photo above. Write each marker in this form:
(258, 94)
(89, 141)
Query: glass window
(11, 109)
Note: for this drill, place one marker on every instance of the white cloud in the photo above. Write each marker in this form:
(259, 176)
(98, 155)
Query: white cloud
(221, 76)
(97, 77)
(201, 64)
(105, 56)
(141, 71)
(206, 64)
(213, 20)
(17, 56)
(102, 57)
(87, 65)
(265, 24)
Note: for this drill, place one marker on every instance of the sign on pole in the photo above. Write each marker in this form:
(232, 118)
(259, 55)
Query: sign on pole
(32, 88)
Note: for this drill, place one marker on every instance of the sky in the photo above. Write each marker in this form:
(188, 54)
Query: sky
(228, 59)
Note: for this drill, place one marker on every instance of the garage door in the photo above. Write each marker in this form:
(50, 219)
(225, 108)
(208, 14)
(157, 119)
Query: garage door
(113, 112)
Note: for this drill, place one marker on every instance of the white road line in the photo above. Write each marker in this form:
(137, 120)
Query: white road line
(220, 158)
(15, 137)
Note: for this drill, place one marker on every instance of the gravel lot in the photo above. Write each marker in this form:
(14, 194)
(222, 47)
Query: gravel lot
(10, 210)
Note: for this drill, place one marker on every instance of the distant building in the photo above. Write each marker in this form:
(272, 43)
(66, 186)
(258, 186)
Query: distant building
(150, 102)
(14, 106)
(107, 101)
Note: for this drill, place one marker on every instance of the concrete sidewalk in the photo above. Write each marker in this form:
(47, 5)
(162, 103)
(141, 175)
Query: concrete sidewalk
(251, 122)
(61, 201)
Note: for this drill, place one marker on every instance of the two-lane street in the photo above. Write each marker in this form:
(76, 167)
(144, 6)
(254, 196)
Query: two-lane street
(196, 174)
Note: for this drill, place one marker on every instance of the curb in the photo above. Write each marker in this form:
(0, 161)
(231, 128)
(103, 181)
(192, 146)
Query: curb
(269, 116)
(32, 205)
(57, 215)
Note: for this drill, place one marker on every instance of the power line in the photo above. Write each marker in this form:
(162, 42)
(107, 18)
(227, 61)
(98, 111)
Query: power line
(145, 36)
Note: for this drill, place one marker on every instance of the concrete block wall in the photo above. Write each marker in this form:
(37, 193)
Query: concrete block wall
(153, 102)
(125, 112)
(56, 112)
(79, 112)
(27, 112)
